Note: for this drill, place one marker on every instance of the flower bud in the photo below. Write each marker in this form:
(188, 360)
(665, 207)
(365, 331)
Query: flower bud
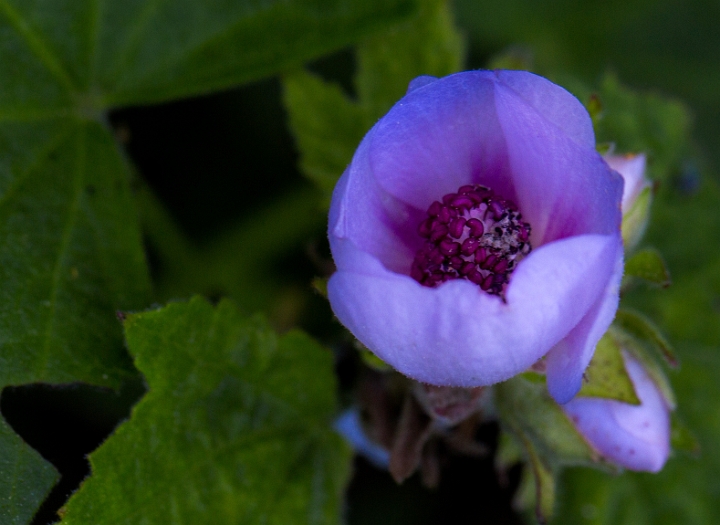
(636, 437)
(637, 195)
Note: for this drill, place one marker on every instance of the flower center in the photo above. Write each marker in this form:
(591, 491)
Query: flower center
(473, 234)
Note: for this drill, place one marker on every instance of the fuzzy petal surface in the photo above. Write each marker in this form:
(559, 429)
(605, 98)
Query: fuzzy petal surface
(634, 436)
(566, 361)
(458, 335)
(531, 142)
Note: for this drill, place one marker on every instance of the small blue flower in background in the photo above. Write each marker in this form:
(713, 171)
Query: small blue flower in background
(349, 425)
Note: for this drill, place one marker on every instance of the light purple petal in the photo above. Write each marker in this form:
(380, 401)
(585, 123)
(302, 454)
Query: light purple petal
(562, 188)
(553, 103)
(418, 82)
(634, 436)
(529, 141)
(632, 169)
(458, 335)
(566, 362)
(440, 137)
(376, 222)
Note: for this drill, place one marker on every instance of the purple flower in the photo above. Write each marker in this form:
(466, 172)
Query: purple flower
(476, 231)
(633, 436)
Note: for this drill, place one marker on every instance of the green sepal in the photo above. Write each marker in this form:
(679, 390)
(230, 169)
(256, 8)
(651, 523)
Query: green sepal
(538, 481)
(635, 220)
(526, 407)
(606, 376)
(545, 483)
(642, 329)
(372, 360)
(648, 265)
(509, 451)
(548, 439)
(645, 352)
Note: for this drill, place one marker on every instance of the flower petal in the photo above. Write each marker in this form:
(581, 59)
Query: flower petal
(632, 169)
(554, 103)
(458, 335)
(563, 187)
(440, 137)
(418, 82)
(376, 222)
(634, 436)
(566, 361)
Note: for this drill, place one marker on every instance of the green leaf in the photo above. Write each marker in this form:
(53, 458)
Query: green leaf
(70, 255)
(606, 375)
(70, 245)
(427, 45)
(153, 51)
(115, 54)
(526, 408)
(644, 122)
(235, 427)
(26, 479)
(328, 125)
(650, 266)
(644, 330)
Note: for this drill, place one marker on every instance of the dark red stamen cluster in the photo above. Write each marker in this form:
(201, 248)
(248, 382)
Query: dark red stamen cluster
(473, 234)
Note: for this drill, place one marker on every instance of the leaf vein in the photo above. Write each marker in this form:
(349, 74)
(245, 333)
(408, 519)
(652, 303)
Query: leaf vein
(40, 158)
(37, 46)
(72, 216)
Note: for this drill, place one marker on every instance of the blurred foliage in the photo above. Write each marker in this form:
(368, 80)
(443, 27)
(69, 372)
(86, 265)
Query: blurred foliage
(669, 46)
(328, 124)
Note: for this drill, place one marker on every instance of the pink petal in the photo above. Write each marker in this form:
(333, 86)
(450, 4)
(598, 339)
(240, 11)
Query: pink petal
(634, 436)
(632, 169)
